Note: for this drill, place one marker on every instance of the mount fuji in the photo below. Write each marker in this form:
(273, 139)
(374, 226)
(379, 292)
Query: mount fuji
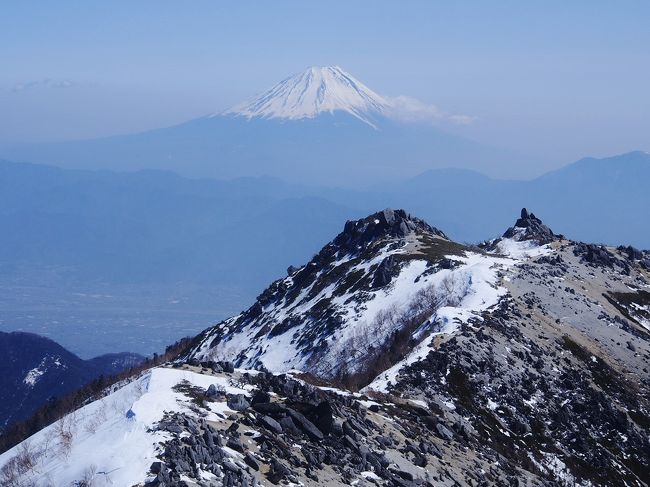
(316, 91)
(319, 125)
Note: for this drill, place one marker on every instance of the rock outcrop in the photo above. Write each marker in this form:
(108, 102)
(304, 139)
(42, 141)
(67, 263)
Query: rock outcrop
(529, 227)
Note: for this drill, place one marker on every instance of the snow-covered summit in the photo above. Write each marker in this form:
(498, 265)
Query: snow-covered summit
(315, 91)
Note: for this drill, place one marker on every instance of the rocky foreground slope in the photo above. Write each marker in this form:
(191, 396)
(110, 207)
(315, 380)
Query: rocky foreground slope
(394, 357)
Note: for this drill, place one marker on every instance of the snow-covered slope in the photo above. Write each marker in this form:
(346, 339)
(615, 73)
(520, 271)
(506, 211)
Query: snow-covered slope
(315, 91)
(387, 281)
(114, 440)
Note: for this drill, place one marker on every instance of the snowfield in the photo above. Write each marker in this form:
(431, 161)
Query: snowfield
(98, 441)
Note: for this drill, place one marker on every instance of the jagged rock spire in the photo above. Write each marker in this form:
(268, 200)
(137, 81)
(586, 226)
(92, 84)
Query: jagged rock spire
(529, 227)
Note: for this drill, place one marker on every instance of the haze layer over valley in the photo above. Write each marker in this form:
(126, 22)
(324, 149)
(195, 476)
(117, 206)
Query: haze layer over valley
(143, 259)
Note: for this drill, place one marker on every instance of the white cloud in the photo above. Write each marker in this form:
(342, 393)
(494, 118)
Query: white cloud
(42, 83)
(409, 109)
(462, 119)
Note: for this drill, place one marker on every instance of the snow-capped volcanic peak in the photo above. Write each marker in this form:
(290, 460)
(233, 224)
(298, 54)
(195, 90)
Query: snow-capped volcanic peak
(315, 91)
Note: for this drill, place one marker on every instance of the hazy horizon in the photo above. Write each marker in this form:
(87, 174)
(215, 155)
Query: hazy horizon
(521, 76)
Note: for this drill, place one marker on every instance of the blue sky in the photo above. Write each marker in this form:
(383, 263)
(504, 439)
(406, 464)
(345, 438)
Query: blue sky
(558, 80)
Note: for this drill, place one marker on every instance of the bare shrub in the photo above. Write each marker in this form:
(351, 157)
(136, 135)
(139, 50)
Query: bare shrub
(386, 319)
(393, 333)
(97, 419)
(91, 425)
(88, 479)
(10, 473)
(427, 299)
(19, 470)
(140, 388)
(27, 457)
(455, 288)
(49, 437)
(64, 431)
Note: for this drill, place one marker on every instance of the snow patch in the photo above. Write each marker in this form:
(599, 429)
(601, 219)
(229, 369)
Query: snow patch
(521, 249)
(34, 375)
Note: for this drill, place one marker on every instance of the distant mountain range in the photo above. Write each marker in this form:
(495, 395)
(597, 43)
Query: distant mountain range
(321, 125)
(162, 240)
(152, 225)
(595, 200)
(36, 369)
